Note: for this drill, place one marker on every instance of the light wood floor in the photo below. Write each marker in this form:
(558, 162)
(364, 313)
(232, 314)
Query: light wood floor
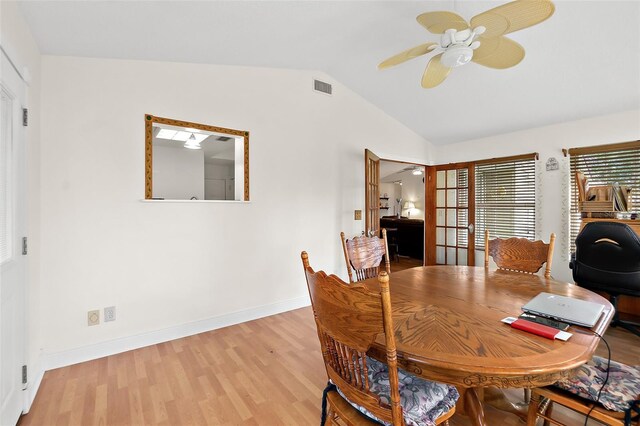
(404, 263)
(267, 372)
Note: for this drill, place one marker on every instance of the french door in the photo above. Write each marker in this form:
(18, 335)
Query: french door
(372, 193)
(449, 227)
(12, 229)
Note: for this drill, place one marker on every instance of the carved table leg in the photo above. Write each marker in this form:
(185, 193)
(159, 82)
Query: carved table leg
(473, 407)
(532, 415)
(496, 398)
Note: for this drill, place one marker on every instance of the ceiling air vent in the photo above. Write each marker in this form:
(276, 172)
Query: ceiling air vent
(223, 138)
(321, 86)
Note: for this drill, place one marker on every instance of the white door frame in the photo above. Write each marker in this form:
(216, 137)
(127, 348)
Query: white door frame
(13, 267)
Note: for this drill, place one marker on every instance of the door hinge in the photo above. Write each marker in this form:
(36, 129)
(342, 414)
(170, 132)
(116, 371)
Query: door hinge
(24, 374)
(25, 117)
(24, 246)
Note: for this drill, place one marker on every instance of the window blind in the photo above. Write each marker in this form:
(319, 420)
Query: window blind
(505, 198)
(604, 165)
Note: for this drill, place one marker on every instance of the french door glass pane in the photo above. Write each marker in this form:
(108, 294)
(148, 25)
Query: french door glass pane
(452, 178)
(452, 216)
(462, 256)
(452, 197)
(451, 236)
(451, 255)
(440, 255)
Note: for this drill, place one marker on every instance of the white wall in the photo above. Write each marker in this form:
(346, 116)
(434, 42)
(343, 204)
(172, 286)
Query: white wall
(238, 189)
(553, 186)
(220, 174)
(178, 173)
(167, 264)
(218, 171)
(17, 41)
(412, 189)
(393, 191)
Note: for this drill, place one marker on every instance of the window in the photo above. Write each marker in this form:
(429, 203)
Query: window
(604, 165)
(505, 198)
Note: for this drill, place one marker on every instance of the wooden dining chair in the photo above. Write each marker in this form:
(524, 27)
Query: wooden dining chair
(619, 403)
(362, 390)
(519, 254)
(363, 256)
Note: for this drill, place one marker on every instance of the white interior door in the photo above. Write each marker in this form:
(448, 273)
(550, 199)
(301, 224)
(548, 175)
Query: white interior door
(12, 229)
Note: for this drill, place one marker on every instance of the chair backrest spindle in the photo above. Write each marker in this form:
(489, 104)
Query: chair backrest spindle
(519, 254)
(363, 256)
(349, 317)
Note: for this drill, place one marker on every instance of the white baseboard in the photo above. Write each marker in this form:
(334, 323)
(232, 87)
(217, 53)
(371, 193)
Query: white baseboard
(123, 344)
(32, 389)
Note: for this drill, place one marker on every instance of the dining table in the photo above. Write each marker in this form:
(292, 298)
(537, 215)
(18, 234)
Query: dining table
(448, 328)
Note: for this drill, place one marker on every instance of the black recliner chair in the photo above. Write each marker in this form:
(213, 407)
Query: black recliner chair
(607, 258)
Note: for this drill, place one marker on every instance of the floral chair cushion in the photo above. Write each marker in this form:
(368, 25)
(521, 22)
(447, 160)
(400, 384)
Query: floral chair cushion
(422, 401)
(621, 390)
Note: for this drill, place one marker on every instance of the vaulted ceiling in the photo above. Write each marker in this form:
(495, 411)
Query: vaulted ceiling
(584, 61)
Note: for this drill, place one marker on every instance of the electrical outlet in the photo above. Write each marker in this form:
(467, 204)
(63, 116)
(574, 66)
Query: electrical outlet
(110, 314)
(93, 317)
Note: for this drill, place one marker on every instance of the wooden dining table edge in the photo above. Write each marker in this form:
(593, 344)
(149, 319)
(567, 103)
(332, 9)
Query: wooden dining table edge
(507, 377)
(449, 372)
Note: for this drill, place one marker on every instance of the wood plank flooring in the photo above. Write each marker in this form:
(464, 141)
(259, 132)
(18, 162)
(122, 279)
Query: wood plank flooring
(264, 372)
(404, 262)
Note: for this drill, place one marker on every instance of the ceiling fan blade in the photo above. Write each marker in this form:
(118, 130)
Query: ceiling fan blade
(435, 73)
(513, 16)
(498, 52)
(401, 57)
(439, 22)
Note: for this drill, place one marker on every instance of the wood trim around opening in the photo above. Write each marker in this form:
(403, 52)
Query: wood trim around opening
(148, 147)
(622, 146)
(530, 156)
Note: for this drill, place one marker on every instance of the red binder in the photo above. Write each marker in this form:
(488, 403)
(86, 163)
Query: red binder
(539, 329)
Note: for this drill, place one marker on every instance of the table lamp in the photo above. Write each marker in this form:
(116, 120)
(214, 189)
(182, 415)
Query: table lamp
(408, 205)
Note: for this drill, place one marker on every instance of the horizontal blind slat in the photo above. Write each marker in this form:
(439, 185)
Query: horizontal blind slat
(505, 199)
(604, 168)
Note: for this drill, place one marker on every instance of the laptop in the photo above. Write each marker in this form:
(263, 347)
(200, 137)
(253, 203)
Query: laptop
(567, 309)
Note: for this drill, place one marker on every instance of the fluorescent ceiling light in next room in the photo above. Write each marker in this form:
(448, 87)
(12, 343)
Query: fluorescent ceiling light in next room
(179, 135)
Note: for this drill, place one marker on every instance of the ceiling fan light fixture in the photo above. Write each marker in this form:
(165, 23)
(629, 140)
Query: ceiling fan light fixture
(416, 172)
(456, 56)
(485, 31)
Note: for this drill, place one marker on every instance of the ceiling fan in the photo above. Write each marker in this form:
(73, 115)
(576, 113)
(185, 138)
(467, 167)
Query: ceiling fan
(482, 41)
